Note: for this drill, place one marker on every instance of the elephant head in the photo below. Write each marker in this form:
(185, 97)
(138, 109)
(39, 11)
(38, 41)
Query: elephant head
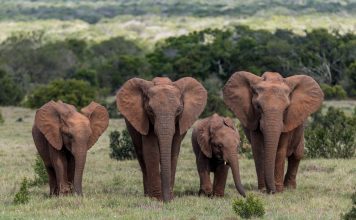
(63, 126)
(217, 137)
(273, 105)
(167, 106)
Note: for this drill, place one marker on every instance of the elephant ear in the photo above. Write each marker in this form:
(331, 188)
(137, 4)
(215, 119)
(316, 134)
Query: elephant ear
(306, 97)
(47, 120)
(238, 94)
(194, 98)
(129, 100)
(99, 121)
(203, 137)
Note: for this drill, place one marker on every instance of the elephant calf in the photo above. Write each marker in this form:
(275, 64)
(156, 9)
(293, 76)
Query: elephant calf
(215, 143)
(62, 137)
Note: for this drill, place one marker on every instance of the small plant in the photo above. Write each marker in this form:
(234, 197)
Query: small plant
(121, 146)
(331, 135)
(1, 119)
(352, 213)
(22, 196)
(249, 207)
(41, 176)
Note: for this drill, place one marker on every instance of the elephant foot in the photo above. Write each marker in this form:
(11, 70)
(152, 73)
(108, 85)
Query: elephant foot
(262, 189)
(218, 194)
(65, 189)
(279, 188)
(290, 184)
(205, 193)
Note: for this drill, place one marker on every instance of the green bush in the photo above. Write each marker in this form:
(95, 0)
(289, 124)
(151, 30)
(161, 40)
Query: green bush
(251, 207)
(351, 215)
(41, 176)
(88, 75)
(112, 110)
(76, 92)
(1, 119)
(23, 195)
(121, 145)
(331, 135)
(333, 92)
(10, 93)
(245, 149)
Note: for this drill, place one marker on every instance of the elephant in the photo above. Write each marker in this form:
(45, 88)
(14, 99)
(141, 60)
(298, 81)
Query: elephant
(158, 114)
(215, 144)
(272, 111)
(62, 137)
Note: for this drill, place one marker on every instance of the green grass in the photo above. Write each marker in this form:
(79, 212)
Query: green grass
(113, 189)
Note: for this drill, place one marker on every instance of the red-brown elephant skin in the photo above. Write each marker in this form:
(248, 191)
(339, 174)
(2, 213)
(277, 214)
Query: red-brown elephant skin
(272, 111)
(215, 142)
(158, 114)
(63, 136)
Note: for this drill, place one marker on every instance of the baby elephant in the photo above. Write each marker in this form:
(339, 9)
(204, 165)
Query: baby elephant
(62, 137)
(215, 143)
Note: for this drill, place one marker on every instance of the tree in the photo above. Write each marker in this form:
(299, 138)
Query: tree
(10, 93)
(76, 92)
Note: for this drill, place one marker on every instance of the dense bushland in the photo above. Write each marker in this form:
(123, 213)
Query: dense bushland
(210, 56)
(331, 135)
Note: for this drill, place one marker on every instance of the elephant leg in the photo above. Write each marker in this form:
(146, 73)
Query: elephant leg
(177, 140)
(204, 175)
(59, 162)
(71, 169)
(53, 188)
(151, 158)
(293, 164)
(220, 176)
(136, 138)
(280, 161)
(294, 159)
(257, 150)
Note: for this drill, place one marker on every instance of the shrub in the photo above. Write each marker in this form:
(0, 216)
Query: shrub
(245, 149)
(87, 75)
(215, 102)
(41, 176)
(352, 213)
(333, 92)
(251, 207)
(1, 119)
(10, 93)
(76, 92)
(22, 196)
(112, 110)
(331, 135)
(121, 145)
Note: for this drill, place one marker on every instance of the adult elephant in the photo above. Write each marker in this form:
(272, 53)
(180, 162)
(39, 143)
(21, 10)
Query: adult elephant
(158, 114)
(62, 137)
(272, 110)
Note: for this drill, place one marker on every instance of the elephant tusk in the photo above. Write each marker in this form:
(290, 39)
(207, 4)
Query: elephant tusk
(224, 162)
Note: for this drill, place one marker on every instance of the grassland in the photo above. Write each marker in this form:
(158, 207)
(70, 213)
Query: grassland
(149, 29)
(113, 189)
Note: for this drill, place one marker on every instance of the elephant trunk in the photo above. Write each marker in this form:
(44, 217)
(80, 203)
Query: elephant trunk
(234, 164)
(165, 131)
(80, 158)
(271, 132)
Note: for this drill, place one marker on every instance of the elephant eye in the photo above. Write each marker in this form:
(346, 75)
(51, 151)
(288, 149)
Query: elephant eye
(149, 110)
(179, 109)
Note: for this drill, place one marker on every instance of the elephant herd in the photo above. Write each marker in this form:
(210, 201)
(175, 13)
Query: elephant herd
(158, 113)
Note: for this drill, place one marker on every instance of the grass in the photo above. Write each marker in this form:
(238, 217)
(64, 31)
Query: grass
(113, 189)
